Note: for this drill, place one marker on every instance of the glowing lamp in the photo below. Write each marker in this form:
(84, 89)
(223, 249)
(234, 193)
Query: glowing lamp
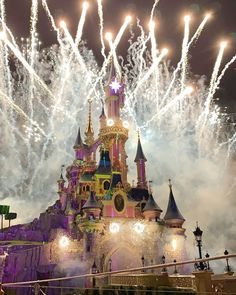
(223, 44)
(128, 18)
(62, 24)
(139, 227)
(64, 242)
(164, 51)
(187, 18)
(174, 244)
(85, 5)
(125, 124)
(110, 122)
(108, 36)
(208, 15)
(114, 227)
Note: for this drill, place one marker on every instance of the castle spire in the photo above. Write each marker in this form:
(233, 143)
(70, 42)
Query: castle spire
(78, 141)
(173, 217)
(140, 160)
(89, 133)
(139, 153)
(102, 117)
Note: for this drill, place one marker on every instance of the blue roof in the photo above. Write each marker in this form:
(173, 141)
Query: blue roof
(91, 202)
(151, 205)
(138, 194)
(78, 141)
(104, 166)
(87, 176)
(172, 211)
(139, 153)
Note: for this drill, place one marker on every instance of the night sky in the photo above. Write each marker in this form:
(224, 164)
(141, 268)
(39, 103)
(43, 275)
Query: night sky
(169, 17)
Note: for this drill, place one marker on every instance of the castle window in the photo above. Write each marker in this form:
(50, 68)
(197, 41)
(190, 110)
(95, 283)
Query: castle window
(87, 188)
(88, 248)
(106, 185)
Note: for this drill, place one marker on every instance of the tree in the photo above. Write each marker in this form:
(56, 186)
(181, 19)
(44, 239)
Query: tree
(10, 216)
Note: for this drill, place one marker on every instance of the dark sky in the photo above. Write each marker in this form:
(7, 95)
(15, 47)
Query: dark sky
(169, 33)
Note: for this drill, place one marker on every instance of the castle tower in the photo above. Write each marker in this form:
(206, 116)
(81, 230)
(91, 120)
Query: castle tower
(140, 160)
(113, 134)
(151, 211)
(173, 217)
(91, 208)
(61, 181)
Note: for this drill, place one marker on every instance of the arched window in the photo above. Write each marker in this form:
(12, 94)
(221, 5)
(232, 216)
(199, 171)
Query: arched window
(142, 205)
(87, 188)
(106, 185)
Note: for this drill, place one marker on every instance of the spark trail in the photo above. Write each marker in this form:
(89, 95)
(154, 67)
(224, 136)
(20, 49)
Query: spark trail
(184, 57)
(81, 24)
(26, 64)
(100, 14)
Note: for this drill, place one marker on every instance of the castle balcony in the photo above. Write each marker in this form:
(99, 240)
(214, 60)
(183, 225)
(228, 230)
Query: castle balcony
(93, 225)
(110, 132)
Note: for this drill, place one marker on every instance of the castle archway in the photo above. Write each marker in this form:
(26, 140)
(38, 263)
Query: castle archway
(122, 257)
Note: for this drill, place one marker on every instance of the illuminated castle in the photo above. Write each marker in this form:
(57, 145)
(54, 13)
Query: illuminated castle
(99, 218)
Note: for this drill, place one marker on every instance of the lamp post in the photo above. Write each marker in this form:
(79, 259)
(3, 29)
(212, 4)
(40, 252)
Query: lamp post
(94, 271)
(198, 236)
(143, 261)
(110, 262)
(208, 264)
(228, 268)
(175, 271)
(163, 259)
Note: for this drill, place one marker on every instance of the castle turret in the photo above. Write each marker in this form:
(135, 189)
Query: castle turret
(61, 181)
(91, 208)
(151, 211)
(173, 217)
(89, 133)
(79, 147)
(140, 160)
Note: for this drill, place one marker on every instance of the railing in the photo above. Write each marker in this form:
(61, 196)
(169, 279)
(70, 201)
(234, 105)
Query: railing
(200, 281)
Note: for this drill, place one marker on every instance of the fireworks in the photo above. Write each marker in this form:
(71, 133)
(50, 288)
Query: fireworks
(45, 99)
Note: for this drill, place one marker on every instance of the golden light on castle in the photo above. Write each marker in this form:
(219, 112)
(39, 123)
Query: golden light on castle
(114, 228)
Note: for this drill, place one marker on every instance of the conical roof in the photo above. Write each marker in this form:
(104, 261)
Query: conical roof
(91, 202)
(104, 166)
(172, 211)
(151, 205)
(61, 178)
(103, 112)
(139, 153)
(78, 141)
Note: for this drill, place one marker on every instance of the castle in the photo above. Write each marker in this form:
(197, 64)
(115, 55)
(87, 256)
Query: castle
(99, 221)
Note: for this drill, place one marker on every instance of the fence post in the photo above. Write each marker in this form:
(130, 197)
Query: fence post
(203, 281)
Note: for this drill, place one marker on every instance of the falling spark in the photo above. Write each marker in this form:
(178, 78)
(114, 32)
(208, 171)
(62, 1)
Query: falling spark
(81, 24)
(100, 14)
(25, 64)
(184, 56)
